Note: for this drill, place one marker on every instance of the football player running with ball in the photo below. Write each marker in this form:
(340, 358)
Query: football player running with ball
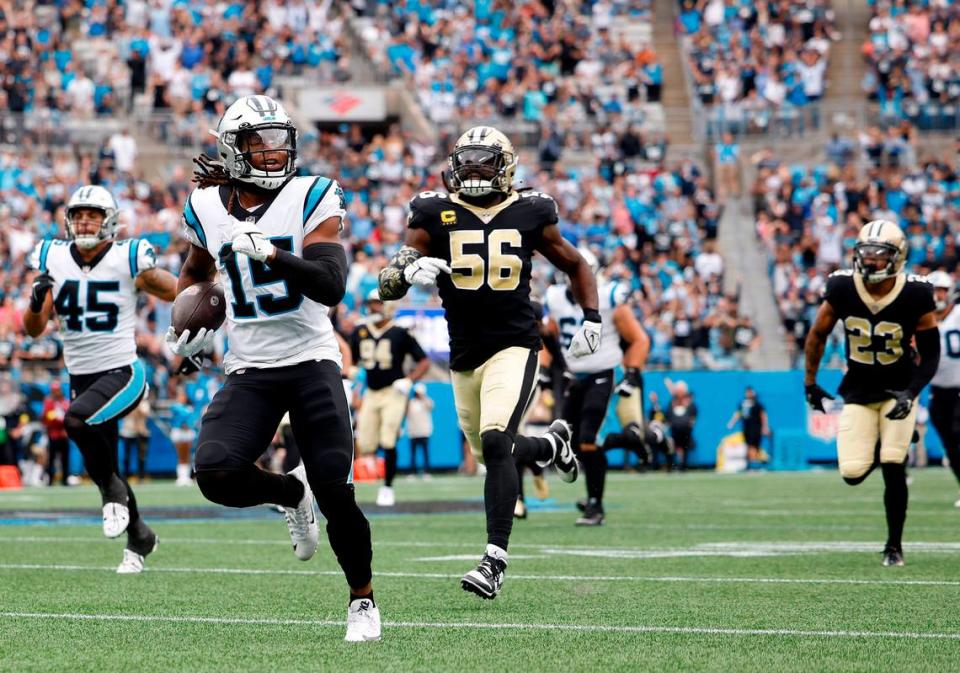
(90, 282)
(476, 244)
(882, 310)
(276, 239)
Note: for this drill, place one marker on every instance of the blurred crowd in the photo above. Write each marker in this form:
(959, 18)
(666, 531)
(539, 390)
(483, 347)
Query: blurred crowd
(758, 64)
(808, 216)
(913, 49)
(99, 58)
(565, 69)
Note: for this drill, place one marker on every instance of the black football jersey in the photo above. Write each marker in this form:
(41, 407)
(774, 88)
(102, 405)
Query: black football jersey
(382, 353)
(487, 297)
(878, 333)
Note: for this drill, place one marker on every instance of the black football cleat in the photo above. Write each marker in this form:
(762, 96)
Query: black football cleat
(592, 516)
(486, 579)
(893, 557)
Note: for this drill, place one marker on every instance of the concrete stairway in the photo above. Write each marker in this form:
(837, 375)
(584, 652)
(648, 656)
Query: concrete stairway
(675, 99)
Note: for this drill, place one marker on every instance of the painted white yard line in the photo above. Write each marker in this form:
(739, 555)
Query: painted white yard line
(682, 630)
(735, 548)
(536, 577)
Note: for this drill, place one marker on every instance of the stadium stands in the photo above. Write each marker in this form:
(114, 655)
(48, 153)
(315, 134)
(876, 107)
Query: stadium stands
(757, 67)
(912, 50)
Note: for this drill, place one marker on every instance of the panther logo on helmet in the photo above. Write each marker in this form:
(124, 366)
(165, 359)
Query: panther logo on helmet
(257, 142)
(94, 197)
(880, 252)
(483, 162)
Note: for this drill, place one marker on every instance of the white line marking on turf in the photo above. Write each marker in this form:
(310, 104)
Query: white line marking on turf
(536, 578)
(689, 630)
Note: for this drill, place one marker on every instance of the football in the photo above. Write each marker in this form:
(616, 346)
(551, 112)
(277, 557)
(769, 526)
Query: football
(200, 305)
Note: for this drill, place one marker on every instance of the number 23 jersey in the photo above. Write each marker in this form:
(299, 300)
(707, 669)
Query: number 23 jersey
(269, 323)
(487, 297)
(96, 301)
(878, 333)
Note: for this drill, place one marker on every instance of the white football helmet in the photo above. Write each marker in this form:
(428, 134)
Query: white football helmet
(879, 241)
(96, 197)
(483, 161)
(256, 125)
(941, 280)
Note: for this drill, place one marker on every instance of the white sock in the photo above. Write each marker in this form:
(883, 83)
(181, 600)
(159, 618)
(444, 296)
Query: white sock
(497, 553)
(183, 471)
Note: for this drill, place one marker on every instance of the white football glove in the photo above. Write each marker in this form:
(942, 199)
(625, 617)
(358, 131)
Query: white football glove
(586, 340)
(423, 272)
(403, 386)
(248, 240)
(186, 347)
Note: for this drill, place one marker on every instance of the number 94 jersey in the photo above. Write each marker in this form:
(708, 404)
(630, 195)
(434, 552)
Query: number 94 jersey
(878, 333)
(95, 301)
(269, 323)
(487, 297)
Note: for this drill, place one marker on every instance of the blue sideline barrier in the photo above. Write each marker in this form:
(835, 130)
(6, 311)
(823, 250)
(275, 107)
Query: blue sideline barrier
(716, 394)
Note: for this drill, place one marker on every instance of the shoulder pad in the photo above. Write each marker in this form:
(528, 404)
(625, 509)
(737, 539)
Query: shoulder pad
(428, 196)
(914, 278)
(841, 273)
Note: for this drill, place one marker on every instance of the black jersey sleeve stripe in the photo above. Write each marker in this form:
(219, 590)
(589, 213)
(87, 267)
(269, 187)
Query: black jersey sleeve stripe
(526, 392)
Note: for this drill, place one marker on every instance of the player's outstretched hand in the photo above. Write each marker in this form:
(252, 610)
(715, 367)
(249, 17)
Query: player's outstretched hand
(247, 239)
(586, 340)
(904, 403)
(186, 347)
(424, 271)
(815, 397)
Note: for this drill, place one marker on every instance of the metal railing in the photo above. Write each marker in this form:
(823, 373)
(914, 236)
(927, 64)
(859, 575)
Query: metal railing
(51, 128)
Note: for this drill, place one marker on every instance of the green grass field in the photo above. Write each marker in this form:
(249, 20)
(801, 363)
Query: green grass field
(693, 572)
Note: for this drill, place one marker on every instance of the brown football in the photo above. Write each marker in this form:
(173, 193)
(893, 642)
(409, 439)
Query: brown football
(200, 305)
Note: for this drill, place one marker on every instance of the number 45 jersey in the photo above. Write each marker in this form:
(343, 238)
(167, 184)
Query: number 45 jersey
(95, 301)
(269, 323)
(879, 332)
(487, 297)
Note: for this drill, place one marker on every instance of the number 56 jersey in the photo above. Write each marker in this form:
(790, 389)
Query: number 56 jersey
(95, 301)
(879, 332)
(487, 297)
(269, 323)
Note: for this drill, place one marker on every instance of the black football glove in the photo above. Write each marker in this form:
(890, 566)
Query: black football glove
(904, 403)
(38, 293)
(815, 397)
(631, 382)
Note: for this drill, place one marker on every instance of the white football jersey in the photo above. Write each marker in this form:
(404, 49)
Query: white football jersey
(948, 371)
(268, 323)
(95, 302)
(568, 315)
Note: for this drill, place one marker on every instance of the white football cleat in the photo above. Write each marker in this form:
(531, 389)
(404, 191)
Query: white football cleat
(957, 503)
(132, 563)
(116, 518)
(559, 435)
(363, 621)
(301, 520)
(386, 497)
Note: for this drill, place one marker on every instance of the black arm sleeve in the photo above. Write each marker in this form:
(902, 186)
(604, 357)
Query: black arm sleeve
(321, 275)
(928, 346)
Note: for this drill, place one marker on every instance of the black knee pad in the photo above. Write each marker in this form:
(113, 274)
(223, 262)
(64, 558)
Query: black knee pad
(74, 424)
(497, 447)
(218, 486)
(335, 497)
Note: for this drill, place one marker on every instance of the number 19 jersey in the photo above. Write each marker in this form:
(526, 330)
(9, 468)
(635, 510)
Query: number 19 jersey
(269, 324)
(487, 297)
(95, 301)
